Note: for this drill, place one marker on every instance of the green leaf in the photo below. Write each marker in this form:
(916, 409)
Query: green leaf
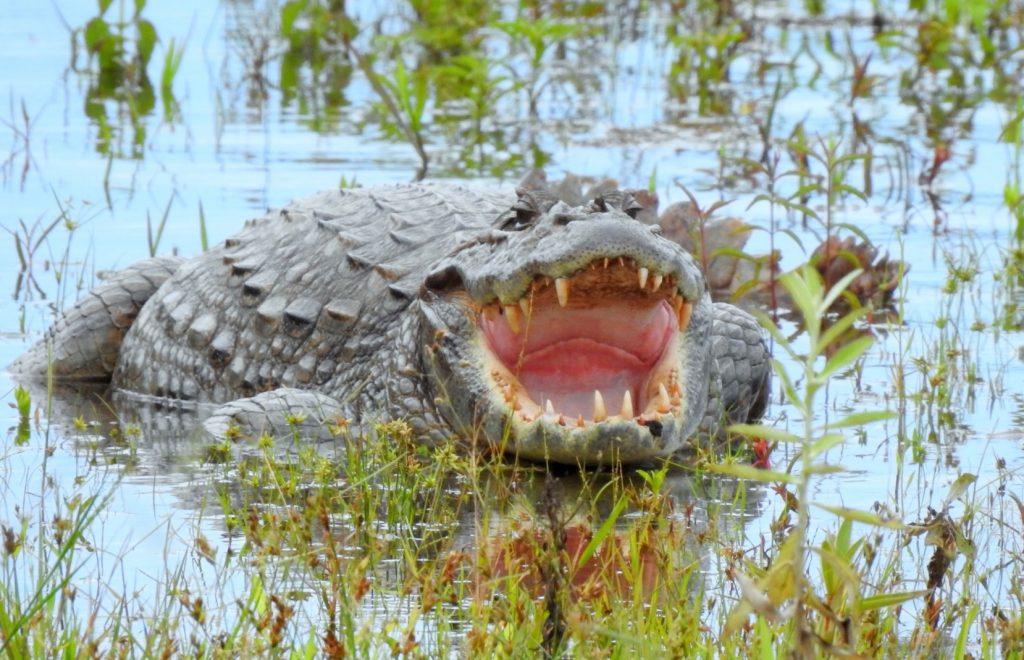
(888, 600)
(24, 401)
(787, 385)
(776, 334)
(861, 418)
(824, 443)
(856, 192)
(96, 34)
(846, 356)
(147, 40)
(835, 566)
(289, 12)
(763, 431)
(840, 286)
(836, 330)
(752, 473)
(104, 5)
(843, 537)
(857, 515)
(959, 487)
(960, 650)
(606, 529)
(796, 285)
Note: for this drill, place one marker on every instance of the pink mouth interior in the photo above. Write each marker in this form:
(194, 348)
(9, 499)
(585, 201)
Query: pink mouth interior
(564, 354)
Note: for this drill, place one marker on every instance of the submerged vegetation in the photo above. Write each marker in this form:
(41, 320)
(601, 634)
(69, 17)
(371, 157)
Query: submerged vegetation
(873, 514)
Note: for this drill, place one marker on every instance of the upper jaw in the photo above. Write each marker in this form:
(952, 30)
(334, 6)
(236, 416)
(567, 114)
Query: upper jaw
(578, 245)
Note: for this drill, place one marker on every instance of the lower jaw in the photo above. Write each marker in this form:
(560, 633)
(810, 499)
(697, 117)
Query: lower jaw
(608, 443)
(522, 426)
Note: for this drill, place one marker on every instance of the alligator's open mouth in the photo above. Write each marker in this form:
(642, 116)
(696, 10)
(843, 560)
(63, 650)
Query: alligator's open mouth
(598, 346)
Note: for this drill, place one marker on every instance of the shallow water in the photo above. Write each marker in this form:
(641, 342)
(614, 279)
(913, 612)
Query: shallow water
(234, 152)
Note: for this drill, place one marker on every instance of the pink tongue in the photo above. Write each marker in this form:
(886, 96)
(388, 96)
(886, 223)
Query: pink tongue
(569, 353)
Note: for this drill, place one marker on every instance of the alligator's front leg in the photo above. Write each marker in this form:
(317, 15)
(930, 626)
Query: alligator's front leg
(279, 413)
(84, 343)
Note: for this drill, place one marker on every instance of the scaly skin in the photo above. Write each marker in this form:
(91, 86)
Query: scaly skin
(391, 302)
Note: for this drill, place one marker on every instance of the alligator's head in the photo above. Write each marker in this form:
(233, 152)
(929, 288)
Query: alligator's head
(570, 334)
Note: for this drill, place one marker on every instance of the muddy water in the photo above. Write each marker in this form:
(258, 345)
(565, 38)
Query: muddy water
(231, 140)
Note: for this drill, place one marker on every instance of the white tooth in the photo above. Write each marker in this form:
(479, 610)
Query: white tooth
(599, 412)
(664, 403)
(627, 406)
(643, 277)
(657, 282)
(548, 408)
(684, 315)
(512, 317)
(562, 289)
(606, 262)
(524, 305)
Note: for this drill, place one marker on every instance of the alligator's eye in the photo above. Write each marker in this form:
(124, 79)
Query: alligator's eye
(633, 209)
(520, 218)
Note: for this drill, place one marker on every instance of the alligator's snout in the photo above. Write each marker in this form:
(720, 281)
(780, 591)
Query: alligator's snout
(595, 346)
(588, 338)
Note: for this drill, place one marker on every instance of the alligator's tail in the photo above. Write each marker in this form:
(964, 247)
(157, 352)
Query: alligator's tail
(84, 342)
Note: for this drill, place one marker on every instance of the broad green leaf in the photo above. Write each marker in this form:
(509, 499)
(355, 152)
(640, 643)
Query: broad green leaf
(763, 431)
(147, 41)
(779, 582)
(752, 473)
(776, 334)
(806, 189)
(840, 286)
(96, 34)
(846, 356)
(855, 230)
(858, 515)
(826, 442)
(798, 289)
(861, 418)
(959, 487)
(733, 252)
(848, 158)
(960, 650)
(838, 567)
(856, 192)
(888, 600)
(792, 395)
(843, 537)
(289, 12)
(606, 528)
(836, 330)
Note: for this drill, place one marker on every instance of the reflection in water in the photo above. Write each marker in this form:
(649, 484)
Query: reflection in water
(485, 531)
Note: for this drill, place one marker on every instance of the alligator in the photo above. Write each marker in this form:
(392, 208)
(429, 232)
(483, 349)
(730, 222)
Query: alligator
(558, 331)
